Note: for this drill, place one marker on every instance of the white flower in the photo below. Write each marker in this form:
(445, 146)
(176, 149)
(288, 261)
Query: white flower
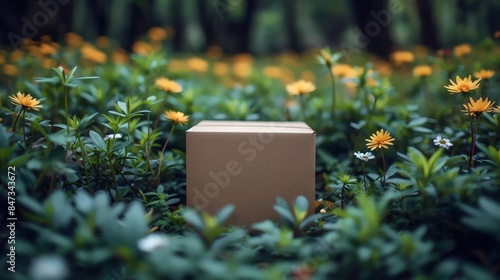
(112, 136)
(366, 156)
(442, 142)
(152, 242)
(49, 267)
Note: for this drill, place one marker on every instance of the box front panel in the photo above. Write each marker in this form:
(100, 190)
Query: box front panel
(249, 170)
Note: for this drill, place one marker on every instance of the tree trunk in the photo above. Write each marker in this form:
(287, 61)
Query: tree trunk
(240, 29)
(428, 35)
(291, 20)
(178, 25)
(377, 40)
(206, 21)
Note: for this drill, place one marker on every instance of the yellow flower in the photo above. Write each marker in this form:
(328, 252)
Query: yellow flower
(326, 56)
(462, 85)
(74, 40)
(10, 70)
(142, 48)
(401, 57)
(476, 108)
(380, 139)
(242, 69)
(48, 63)
(221, 68)
(422, 71)
(273, 72)
(102, 42)
(300, 87)
(16, 55)
(462, 50)
(120, 56)
(91, 53)
(197, 64)
(484, 74)
(47, 49)
(308, 76)
(168, 85)
(176, 117)
(342, 70)
(157, 34)
(26, 101)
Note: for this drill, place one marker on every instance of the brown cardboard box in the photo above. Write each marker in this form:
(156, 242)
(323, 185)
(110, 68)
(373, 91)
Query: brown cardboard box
(249, 164)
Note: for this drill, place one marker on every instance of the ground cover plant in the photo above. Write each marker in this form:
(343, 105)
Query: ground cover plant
(92, 153)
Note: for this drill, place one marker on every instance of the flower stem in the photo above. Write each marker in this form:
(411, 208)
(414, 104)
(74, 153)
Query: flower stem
(24, 129)
(332, 78)
(342, 197)
(383, 162)
(85, 160)
(473, 143)
(113, 171)
(470, 162)
(17, 118)
(372, 111)
(364, 176)
(66, 110)
(163, 151)
(302, 107)
(148, 148)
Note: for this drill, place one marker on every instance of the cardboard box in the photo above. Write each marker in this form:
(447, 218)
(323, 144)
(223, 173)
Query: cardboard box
(249, 164)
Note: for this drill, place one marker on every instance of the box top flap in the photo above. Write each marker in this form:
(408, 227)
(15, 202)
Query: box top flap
(252, 127)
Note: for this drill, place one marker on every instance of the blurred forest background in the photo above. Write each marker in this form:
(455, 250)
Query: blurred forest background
(259, 27)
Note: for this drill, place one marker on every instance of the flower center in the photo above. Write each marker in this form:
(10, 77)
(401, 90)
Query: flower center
(464, 88)
(442, 141)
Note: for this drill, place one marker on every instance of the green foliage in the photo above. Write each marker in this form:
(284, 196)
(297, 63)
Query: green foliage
(101, 191)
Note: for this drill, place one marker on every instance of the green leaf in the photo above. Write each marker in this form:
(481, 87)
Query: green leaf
(98, 141)
(83, 201)
(285, 215)
(36, 126)
(300, 208)
(31, 203)
(475, 272)
(123, 106)
(85, 121)
(224, 213)
(194, 219)
(134, 222)
(309, 220)
(120, 145)
(20, 160)
(417, 122)
(160, 189)
(490, 207)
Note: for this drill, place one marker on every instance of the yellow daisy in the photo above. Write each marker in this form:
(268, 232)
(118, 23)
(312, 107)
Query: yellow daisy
(462, 50)
(422, 71)
(300, 87)
(476, 108)
(168, 85)
(380, 139)
(26, 101)
(484, 74)
(463, 85)
(176, 117)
